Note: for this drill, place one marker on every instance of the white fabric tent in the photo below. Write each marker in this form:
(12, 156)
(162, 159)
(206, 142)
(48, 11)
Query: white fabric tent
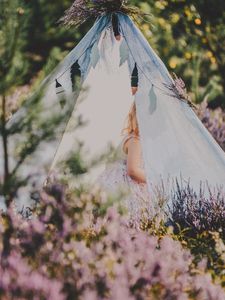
(175, 144)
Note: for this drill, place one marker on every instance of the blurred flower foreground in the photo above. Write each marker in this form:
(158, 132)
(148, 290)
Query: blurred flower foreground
(78, 245)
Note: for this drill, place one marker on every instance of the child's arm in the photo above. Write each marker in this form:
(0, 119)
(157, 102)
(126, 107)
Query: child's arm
(134, 169)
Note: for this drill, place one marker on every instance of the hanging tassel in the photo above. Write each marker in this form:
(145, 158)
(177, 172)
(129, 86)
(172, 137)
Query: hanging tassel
(59, 88)
(74, 73)
(115, 26)
(134, 76)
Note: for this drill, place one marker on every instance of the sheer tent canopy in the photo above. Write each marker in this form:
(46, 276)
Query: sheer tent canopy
(175, 144)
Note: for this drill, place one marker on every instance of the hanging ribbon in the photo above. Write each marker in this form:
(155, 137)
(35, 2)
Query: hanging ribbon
(115, 25)
(95, 55)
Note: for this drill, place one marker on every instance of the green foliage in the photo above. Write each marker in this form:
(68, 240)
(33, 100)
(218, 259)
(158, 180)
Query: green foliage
(82, 234)
(189, 37)
(13, 35)
(207, 246)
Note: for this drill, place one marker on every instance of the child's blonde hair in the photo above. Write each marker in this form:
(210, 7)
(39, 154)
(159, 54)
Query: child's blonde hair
(131, 122)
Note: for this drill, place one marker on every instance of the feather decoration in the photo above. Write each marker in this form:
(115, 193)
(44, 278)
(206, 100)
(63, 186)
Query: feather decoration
(81, 10)
(124, 52)
(95, 55)
(60, 93)
(153, 100)
(59, 87)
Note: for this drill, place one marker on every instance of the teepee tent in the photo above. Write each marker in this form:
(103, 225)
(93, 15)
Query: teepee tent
(175, 144)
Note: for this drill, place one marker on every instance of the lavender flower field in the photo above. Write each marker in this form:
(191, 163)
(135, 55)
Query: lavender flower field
(78, 245)
(214, 121)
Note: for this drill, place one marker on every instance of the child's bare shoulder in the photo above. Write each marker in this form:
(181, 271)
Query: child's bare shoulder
(129, 140)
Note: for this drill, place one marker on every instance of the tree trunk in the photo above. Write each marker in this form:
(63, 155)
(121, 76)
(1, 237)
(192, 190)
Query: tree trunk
(5, 153)
(4, 140)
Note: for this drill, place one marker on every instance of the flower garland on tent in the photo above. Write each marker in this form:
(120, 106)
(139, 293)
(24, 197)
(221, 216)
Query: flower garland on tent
(180, 90)
(81, 10)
